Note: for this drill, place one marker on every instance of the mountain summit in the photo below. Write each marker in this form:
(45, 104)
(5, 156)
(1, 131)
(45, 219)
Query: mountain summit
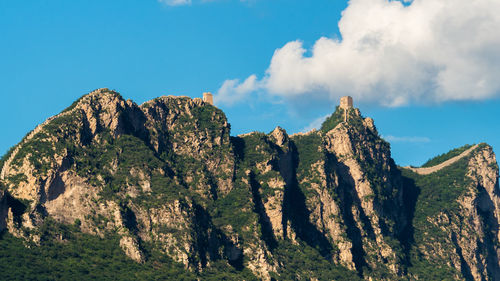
(166, 185)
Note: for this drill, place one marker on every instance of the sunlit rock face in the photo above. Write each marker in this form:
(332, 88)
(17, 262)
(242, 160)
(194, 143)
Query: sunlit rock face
(166, 175)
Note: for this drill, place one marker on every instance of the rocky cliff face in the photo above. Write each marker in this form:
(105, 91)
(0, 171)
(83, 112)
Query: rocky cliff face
(167, 176)
(460, 233)
(4, 207)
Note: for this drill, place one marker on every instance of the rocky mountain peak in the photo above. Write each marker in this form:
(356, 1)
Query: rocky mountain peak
(168, 180)
(280, 135)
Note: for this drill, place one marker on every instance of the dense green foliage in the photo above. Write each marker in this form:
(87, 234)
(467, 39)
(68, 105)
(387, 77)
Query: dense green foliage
(204, 116)
(301, 262)
(82, 256)
(334, 119)
(440, 190)
(446, 156)
(224, 213)
(65, 253)
(427, 270)
(309, 151)
(255, 149)
(78, 257)
(437, 193)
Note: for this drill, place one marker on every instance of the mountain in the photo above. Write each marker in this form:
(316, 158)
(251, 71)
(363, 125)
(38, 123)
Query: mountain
(109, 189)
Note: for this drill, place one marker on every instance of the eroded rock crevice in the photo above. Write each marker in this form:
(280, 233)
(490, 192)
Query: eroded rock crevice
(167, 174)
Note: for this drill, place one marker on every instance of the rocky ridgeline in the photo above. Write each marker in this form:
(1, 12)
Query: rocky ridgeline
(469, 233)
(167, 173)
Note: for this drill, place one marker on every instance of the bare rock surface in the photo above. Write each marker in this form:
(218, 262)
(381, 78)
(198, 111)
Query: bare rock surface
(168, 174)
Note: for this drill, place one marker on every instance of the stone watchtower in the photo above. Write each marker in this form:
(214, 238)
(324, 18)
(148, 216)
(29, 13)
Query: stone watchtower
(346, 104)
(208, 98)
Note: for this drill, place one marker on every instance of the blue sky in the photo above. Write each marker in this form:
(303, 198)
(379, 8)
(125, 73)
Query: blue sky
(426, 71)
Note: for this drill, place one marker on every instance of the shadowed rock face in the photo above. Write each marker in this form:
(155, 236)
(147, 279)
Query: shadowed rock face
(3, 209)
(167, 173)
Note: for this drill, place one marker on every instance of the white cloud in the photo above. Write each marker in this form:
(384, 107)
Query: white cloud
(390, 53)
(232, 90)
(176, 2)
(390, 138)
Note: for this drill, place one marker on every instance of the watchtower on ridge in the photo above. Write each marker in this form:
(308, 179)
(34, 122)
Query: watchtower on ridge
(346, 104)
(208, 98)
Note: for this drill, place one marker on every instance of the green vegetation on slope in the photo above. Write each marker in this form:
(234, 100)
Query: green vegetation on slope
(116, 165)
(259, 149)
(80, 256)
(302, 262)
(334, 119)
(354, 119)
(446, 156)
(427, 270)
(249, 151)
(440, 190)
(310, 151)
(65, 253)
(5, 157)
(437, 193)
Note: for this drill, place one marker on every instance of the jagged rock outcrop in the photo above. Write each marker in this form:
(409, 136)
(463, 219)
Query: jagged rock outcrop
(190, 129)
(70, 167)
(464, 233)
(167, 177)
(369, 190)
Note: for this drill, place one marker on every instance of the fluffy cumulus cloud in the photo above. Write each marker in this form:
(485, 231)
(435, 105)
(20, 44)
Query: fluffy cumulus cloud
(232, 91)
(392, 53)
